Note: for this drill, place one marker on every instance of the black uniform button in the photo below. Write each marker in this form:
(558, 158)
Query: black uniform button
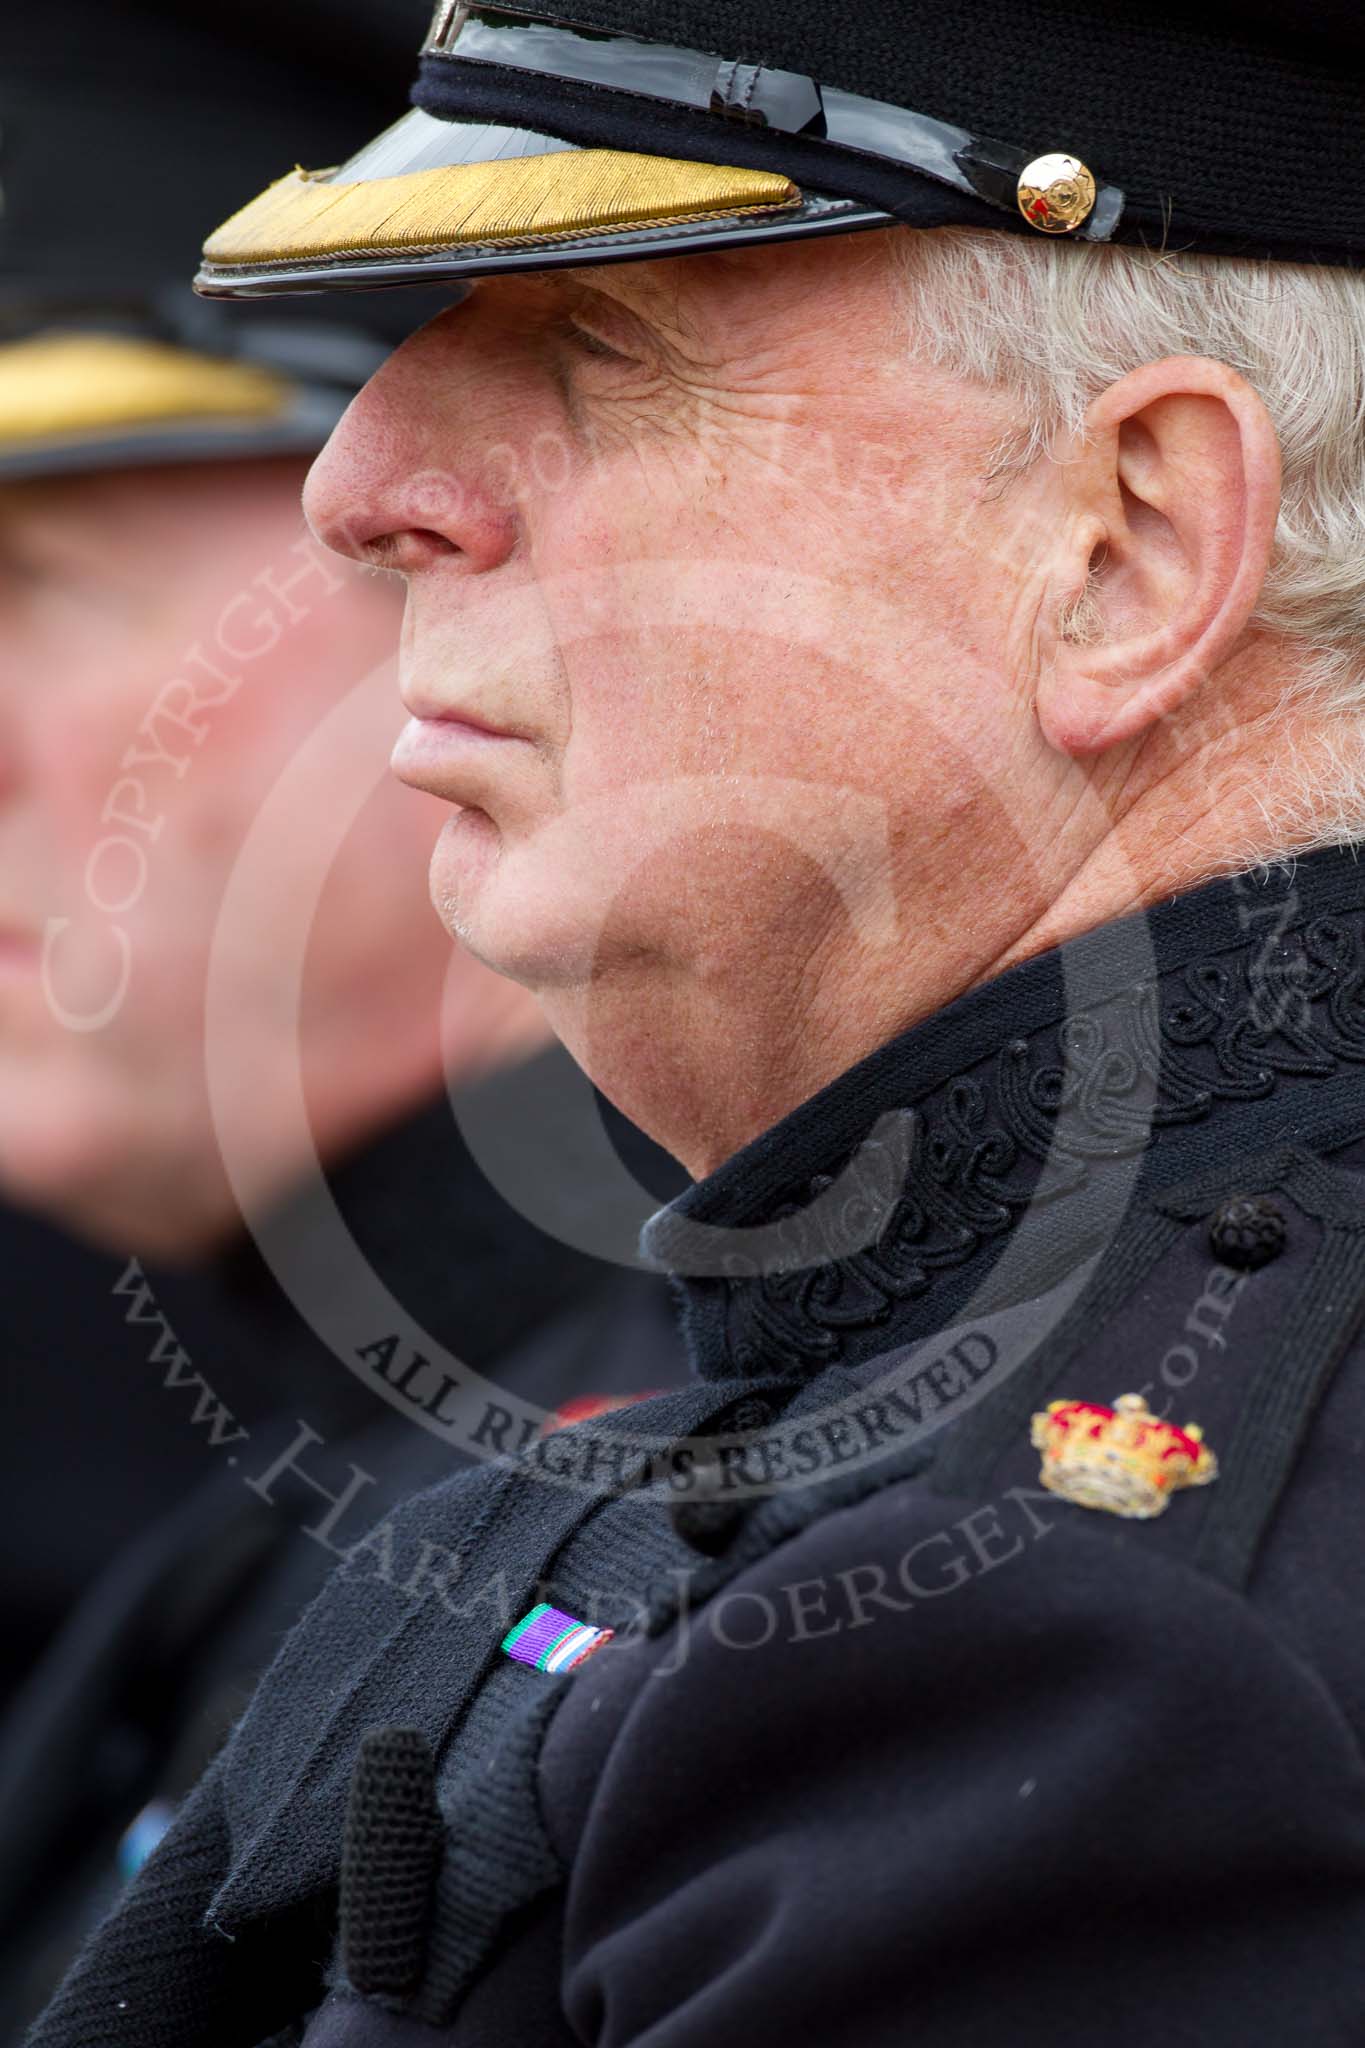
(707, 1525)
(1248, 1232)
(750, 1414)
(705, 1521)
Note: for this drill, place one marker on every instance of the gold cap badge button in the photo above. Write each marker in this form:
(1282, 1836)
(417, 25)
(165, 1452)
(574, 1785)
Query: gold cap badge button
(1056, 194)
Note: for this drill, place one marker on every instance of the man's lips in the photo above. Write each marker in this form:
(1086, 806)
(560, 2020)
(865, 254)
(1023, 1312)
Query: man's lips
(425, 710)
(440, 752)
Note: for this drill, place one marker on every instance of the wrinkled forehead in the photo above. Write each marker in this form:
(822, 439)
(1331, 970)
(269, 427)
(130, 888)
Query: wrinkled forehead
(740, 294)
(661, 289)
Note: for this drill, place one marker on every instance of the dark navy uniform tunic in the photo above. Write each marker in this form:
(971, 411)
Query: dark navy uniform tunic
(897, 1746)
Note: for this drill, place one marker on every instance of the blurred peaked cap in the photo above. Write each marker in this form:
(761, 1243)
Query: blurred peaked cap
(562, 132)
(124, 124)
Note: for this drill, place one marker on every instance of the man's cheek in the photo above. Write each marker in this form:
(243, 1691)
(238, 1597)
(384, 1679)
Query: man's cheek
(651, 503)
(635, 727)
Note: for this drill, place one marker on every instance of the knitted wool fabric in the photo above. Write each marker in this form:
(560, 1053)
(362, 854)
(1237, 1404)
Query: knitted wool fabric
(222, 1939)
(388, 1862)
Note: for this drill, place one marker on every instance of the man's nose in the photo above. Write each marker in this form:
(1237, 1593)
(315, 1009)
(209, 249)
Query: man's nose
(398, 484)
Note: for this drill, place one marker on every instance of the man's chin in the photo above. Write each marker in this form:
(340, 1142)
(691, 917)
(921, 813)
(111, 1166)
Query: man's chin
(512, 907)
(463, 865)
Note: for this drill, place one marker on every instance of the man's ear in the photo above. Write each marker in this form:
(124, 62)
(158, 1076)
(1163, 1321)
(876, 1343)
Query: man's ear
(1168, 523)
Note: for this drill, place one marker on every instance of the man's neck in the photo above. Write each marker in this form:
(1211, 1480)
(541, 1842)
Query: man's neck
(706, 1069)
(1192, 813)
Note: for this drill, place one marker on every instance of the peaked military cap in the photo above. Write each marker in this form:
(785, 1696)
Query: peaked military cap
(585, 131)
(120, 130)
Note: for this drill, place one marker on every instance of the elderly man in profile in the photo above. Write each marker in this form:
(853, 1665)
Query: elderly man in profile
(899, 691)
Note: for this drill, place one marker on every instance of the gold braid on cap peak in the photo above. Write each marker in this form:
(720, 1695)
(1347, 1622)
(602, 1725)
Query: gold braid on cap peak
(570, 192)
(74, 383)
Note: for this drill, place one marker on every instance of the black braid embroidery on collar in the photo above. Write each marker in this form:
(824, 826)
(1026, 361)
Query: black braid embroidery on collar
(957, 1172)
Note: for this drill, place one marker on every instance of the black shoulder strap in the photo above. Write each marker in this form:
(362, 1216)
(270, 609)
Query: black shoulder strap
(1283, 1398)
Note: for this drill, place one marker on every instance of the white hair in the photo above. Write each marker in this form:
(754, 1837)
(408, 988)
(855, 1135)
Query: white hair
(1056, 324)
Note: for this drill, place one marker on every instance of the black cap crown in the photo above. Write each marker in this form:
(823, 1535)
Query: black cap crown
(614, 129)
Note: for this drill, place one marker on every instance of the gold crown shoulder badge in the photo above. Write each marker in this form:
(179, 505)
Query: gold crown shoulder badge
(1123, 1460)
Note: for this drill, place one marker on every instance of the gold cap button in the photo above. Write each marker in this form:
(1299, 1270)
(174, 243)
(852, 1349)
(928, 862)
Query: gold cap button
(1056, 194)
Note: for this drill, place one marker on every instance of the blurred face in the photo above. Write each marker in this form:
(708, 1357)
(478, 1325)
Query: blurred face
(168, 640)
(698, 640)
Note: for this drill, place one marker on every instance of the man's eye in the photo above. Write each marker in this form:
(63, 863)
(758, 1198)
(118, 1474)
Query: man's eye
(585, 342)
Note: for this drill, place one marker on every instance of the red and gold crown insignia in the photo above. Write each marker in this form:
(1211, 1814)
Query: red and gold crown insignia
(1123, 1459)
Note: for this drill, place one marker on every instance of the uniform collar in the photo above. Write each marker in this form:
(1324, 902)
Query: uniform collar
(1037, 1107)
